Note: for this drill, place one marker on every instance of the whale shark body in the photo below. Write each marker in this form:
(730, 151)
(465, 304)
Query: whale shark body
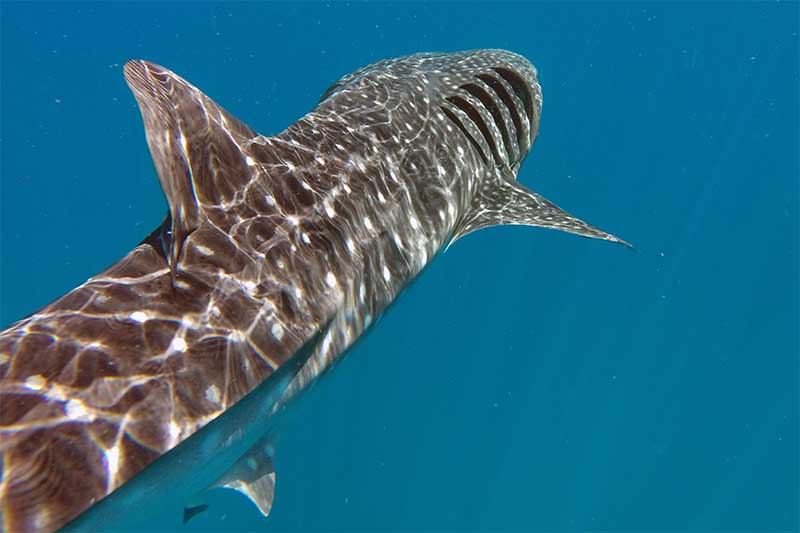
(276, 254)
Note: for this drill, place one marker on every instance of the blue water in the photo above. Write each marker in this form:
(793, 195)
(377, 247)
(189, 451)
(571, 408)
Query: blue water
(528, 379)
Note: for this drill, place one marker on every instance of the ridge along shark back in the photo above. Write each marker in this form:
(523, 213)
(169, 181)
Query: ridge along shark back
(275, 256)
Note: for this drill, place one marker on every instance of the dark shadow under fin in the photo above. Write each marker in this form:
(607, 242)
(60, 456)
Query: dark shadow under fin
(160, 239)
(191, 512)
(195, 146)
(503, 201)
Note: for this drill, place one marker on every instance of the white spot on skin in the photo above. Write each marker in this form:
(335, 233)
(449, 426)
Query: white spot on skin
(270, 199)
(330, 280)
(440, 170)
(76, 410)
(277, 331)
(112, 462)
(250, 286)
(326, 343)
(414, 222)
(329, 209)
(178, 344)
(250, 162)
(381, 198)
(42, 520)
(57, 393)
(212, 394)
(368, 223)
(423, 255)
(35, 382)
(205, 250)
(351, 245)
(319, 159)
(387, 275)
(290, 165)
(305, 238)
(139, 316)
(174, 432)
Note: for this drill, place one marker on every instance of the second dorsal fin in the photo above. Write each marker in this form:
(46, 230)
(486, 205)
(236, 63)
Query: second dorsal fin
(195, 145)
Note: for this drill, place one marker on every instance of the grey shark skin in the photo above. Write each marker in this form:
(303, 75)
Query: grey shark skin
(270, 243)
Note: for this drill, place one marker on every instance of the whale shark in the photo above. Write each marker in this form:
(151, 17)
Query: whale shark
(276, 254)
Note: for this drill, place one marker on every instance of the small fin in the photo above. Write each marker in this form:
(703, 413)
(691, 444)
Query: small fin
(195, 146)
(503, 201)
(191, 512)
(253, 474)
(260, 491)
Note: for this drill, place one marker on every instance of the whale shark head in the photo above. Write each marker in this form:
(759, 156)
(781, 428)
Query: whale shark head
(491, 96)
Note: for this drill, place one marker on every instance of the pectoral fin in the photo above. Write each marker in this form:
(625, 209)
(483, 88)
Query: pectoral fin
(260, 491)
(503, 201)
(253, 474)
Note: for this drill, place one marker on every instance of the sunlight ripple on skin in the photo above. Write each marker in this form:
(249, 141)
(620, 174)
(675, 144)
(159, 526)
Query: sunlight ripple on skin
(269, 243)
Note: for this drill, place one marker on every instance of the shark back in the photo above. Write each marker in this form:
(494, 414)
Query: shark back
(101, 382)
(269, 243)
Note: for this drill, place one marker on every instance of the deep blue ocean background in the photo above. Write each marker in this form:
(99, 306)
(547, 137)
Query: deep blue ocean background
(528, 379)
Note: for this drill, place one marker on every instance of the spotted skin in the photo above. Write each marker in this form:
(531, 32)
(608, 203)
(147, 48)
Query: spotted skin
(267, 238)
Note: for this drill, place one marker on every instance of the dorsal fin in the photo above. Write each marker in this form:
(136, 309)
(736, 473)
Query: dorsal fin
(502, 201)
(195, 146)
